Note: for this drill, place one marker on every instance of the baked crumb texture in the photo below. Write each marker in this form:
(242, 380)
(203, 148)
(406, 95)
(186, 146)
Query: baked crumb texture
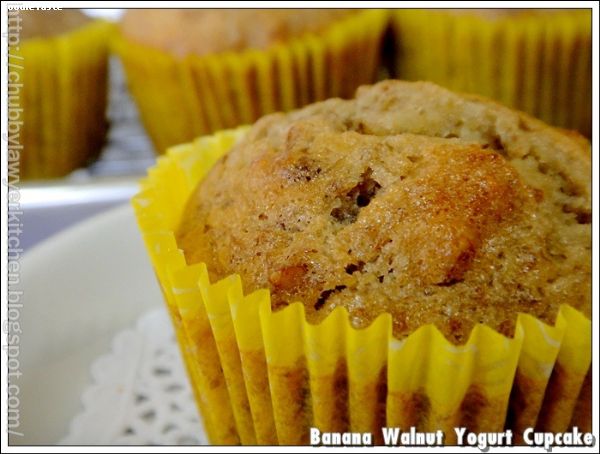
(409, 200)
(405, 206)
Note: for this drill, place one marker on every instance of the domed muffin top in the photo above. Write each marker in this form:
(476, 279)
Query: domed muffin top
(205, 31)
(409, 199)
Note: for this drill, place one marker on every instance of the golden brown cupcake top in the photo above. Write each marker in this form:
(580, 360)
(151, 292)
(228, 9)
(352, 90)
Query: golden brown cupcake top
(409, 199)
(48, 23)
(205, 31)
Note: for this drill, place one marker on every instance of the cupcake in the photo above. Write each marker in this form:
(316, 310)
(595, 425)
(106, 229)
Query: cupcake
(409, 257)
(205, 70)
(61, 60)
(535, 60)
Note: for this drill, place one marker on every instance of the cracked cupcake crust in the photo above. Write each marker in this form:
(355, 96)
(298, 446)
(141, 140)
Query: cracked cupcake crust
(409, 199)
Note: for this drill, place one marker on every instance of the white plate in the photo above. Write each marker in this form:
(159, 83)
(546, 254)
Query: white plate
(80, 287)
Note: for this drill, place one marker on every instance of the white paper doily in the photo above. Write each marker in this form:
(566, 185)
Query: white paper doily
(140, 393)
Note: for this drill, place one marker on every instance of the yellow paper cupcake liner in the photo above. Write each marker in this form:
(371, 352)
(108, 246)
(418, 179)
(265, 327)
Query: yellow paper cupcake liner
(538, 63)
(63, 97)
(183, 98)
(267, 377)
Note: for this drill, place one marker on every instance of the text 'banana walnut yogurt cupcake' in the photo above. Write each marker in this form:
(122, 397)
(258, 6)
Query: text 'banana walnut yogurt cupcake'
(62, 63)
(210, 69)
(380, 204)
(453, 231)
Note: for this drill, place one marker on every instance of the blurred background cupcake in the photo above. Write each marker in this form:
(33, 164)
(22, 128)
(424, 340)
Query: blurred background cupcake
(196, 71)
(62, 65)
(538, 61)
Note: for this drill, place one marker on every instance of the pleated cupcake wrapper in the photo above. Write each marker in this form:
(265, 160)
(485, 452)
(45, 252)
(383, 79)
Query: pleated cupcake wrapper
(63, 97)
(540, 64)
(267, 377)
(183, 98)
